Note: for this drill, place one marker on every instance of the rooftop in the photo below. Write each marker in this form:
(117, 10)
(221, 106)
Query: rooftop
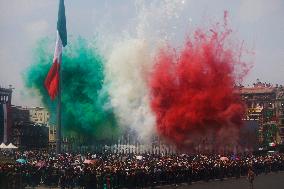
(257, 90)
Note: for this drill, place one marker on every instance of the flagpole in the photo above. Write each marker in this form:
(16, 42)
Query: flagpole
(62, 33)
(53, 81)
(58, 129)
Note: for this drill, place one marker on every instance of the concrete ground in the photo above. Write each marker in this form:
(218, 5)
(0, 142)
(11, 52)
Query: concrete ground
(269, 181)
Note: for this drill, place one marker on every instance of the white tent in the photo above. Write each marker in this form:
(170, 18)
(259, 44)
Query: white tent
(12, 146)
(3, 145)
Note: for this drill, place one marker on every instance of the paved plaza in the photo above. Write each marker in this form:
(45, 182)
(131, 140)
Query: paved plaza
(269, 181)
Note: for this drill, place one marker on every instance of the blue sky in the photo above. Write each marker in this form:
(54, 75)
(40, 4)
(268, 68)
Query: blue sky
(22, 22)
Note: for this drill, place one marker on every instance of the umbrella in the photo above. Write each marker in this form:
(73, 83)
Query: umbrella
(234, 157)
(89, 161)
(224, 158)
(139, 157)
(21, 160)
(40, 164)
(77, 162)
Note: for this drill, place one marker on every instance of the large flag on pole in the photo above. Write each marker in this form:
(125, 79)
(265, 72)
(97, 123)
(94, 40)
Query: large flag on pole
(52, 80)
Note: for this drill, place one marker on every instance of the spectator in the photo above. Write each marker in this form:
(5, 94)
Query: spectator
(251, 177)
(119, 171)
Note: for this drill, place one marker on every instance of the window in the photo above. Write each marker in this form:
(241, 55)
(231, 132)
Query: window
(249, 104)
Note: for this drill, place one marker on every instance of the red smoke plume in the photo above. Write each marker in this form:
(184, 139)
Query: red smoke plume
(193, 92)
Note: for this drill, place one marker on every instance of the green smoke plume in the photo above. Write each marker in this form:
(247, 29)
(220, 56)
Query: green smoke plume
(85, 105)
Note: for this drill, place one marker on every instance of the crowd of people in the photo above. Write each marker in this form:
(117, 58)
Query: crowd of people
(33, 168)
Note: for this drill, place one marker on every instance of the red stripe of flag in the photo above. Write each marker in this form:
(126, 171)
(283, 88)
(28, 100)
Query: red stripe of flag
(52, 80)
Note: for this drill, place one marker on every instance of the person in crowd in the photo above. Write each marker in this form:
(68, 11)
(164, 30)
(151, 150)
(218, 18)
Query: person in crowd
(250, 177)
(112, 171)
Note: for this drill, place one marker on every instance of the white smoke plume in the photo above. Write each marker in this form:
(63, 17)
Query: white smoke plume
(129, 62)
(126, 70)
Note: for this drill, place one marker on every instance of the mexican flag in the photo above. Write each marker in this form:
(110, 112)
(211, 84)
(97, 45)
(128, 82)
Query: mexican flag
(52, 80)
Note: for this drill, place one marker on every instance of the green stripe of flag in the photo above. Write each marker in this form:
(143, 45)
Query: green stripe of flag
(61, 23)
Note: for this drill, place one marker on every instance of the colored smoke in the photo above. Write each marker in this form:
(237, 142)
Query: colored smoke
(193, 91)
(126, 72)
(130, 60)
(85, 105)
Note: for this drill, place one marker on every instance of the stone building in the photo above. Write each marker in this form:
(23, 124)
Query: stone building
(52, 136)
(265, 104)
(27, 134)
(5, 114)
(279, 105)
(39, 115)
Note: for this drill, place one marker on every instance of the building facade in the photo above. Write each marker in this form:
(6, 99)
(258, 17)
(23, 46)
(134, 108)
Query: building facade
(265, 104)
(39, 115)
(5, 114)
(52, 136)
(279, 105)
(25, 133)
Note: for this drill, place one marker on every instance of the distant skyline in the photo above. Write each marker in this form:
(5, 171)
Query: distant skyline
(23, 22)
